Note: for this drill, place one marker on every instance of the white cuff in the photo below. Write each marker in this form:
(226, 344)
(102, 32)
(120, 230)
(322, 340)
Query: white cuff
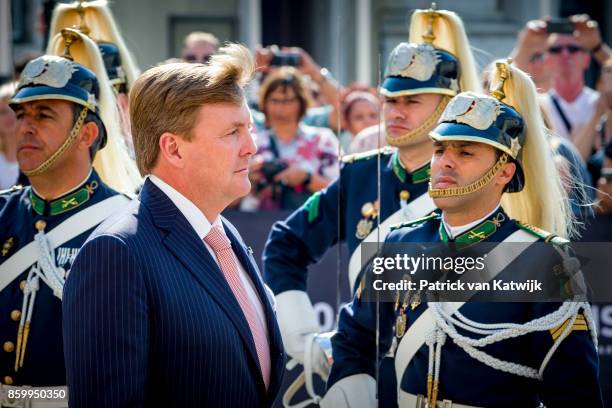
(355, 391)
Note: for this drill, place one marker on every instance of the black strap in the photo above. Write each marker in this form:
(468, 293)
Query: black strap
(274, 145)
(557, 106)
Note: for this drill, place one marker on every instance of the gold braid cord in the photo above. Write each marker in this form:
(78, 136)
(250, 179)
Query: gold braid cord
(426, 127)
(470, 188)
(74, 132)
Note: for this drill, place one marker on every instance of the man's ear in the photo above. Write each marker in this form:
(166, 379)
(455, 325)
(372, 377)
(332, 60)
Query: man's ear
(170, 149)
(505, 174)
(89, 133)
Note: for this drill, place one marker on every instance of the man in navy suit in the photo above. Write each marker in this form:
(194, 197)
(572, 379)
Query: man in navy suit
(164, 305)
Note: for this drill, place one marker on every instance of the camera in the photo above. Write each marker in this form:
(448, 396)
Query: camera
(271, 168)
(284, 58)
(560, 26)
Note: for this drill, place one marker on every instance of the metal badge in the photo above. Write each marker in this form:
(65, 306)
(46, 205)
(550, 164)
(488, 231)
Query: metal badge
(364, 227)
(416, 301)
(367, 210)
(477, 111)
(48, 70)
(401, 323)
(413, 61)
(8, 244)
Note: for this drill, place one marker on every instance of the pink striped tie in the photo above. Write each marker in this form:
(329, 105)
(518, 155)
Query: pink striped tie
(222, 247)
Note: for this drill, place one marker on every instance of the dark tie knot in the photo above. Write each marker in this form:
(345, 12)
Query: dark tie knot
(217, 240)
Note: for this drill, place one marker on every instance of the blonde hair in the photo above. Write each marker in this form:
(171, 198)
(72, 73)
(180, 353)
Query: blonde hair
(168, 98)
(102, 28)
(450, 36)
(543, 202)
(112, 163)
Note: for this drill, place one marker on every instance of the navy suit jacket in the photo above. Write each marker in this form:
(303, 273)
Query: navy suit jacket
(149, 319)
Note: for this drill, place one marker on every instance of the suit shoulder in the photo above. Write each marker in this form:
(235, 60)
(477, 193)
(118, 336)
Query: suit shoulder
(127, 224)
(364, 156)
(416, 222)
(542, 234)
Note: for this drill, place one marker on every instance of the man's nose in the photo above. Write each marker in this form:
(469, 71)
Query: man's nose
(446, 160)
(249, 147)
(396, 112)
(25, 125)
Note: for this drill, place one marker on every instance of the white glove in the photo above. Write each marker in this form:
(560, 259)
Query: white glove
(298, 323)
(355, 391)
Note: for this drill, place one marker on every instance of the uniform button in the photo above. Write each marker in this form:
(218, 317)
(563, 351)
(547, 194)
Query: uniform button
(8, 346)
(8, 380)
(16, 315)
(22, 284)
(40, 225)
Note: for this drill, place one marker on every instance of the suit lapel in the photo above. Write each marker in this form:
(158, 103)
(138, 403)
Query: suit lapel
(187, 247)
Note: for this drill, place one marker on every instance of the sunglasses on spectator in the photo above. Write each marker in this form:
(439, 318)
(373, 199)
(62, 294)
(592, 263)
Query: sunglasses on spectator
(194, 58)
(558, 49)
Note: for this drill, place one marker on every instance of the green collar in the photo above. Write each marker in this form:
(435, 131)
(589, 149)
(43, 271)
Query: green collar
(65, 203)
(419, 175)
(478, 233)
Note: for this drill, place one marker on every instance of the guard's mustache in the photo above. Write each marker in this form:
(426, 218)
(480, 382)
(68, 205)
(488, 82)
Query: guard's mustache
(450, 174)
(29, 139)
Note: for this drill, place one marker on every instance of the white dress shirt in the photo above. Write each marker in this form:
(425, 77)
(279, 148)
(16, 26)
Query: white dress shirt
(202, 226)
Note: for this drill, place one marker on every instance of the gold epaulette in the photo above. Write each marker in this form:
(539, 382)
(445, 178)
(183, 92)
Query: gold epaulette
(352, 158)
(416, 222)
(540, 233)
(580, 324)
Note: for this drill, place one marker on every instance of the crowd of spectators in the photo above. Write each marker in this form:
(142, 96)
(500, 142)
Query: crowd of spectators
(304, 120)
(557, 54)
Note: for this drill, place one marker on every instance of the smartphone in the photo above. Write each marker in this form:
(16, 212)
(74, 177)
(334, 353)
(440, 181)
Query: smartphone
(560, 25)
(283, 58)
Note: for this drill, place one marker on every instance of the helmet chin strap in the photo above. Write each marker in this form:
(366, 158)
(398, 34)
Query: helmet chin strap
(74, 132)
(424, 128)
(470, 188)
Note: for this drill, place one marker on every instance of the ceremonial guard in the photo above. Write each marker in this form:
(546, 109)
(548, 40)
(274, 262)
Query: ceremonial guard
(42, 226)
(375, 189)
(490, 153)
(95, 19)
